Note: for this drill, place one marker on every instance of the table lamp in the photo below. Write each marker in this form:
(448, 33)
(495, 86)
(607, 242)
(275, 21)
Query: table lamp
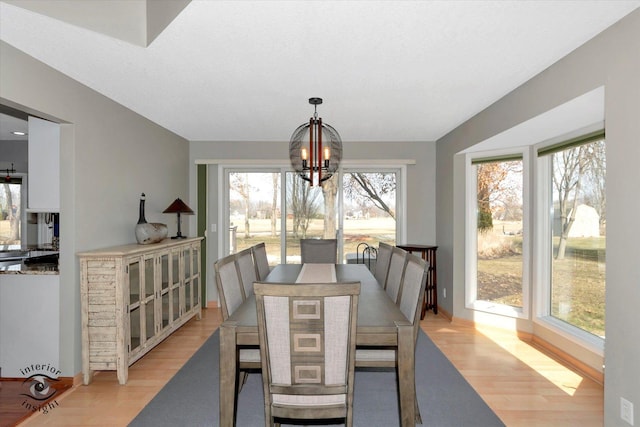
(179, 207)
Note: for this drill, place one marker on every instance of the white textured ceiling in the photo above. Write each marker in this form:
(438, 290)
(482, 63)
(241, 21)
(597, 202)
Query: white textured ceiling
(387, 70)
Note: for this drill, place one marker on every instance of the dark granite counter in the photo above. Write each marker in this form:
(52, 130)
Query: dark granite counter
(19, 267)
(11, 265)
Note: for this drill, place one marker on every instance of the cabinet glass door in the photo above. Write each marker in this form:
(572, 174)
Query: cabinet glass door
(134, 327)
(150, 326)
(175, 285)
(164, 290)
(187, 279)
(148, 303)
(149, 279)
(133, 269)
(134, 282)
(195, 281)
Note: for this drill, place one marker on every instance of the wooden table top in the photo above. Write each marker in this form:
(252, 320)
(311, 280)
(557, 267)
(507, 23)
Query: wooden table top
(377, 313)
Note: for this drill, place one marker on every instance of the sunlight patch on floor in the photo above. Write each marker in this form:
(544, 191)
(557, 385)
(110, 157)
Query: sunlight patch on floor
(553, 371)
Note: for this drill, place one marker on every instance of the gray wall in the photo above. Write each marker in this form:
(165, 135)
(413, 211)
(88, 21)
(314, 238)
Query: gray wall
(612, 60)
(109, 155)
(420, 180)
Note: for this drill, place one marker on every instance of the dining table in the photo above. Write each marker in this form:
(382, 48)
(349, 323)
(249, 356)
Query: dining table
(380, 324)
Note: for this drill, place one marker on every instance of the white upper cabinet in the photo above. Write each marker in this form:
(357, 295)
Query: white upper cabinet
(44, 166)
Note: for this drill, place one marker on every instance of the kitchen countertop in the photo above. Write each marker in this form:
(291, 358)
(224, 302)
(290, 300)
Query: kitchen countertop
(5, 248)
(17, 266)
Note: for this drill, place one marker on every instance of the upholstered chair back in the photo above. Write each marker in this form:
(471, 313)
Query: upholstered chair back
(321, 251)
(307, 344)
(382, 263)
(261, 261)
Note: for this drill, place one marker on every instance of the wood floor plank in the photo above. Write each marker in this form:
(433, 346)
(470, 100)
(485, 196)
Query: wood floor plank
(521, 384)
(524, 386)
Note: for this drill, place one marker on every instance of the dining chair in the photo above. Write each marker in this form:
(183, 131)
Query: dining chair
(394, 275)
(413, 286)
(307, 336)
(382, 263)
(319, 251)
(261, 261)
(231, 295)
(247, 270)
(229, 284)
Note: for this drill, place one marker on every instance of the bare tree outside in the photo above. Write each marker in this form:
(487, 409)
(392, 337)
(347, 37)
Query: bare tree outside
(330, 191)
(499, 232)
(239, 183)
(368, 188)
(260, 212)
(594, 189)
(10, 214)
(370, 199)
(255, 197)
(578, 281)
(578, 177)
(497, 194)
(304, 204)
(568, 169)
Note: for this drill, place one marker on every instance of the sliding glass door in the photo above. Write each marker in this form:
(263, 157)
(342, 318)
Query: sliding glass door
(370, 201)
(311, 212)
(356, 206)
(253, 206)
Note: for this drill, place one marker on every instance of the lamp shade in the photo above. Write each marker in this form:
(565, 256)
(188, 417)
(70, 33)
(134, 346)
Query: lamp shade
(178, 206)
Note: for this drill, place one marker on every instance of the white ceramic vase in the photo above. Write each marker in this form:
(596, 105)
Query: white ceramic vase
(149, 232)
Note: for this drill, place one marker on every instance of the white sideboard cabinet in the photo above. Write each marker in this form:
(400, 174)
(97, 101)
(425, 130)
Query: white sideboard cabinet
(133, 297)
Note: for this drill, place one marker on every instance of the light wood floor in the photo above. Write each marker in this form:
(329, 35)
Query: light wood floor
(523, 385)
(520, 383)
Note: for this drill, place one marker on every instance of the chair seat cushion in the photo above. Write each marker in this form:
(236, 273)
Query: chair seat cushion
(375, 355)
(249, 355)
(309, 400)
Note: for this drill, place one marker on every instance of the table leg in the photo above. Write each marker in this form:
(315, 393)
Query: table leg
(406, 375)
(434, 282)
(228, 372)
(431, 288)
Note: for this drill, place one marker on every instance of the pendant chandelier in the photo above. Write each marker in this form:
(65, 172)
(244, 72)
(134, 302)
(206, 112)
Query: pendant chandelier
(315, 149)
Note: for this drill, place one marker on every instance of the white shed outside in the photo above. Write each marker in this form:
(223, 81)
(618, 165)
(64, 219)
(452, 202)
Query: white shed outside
(587, 222)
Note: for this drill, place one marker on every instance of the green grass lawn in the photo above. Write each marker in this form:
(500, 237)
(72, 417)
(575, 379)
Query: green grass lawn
(579, 279)
(356, 231)
(578, 291)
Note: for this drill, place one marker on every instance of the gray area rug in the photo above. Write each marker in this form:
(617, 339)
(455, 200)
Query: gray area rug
(445, 398)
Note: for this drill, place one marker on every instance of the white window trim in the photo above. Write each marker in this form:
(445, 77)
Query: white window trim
(471, 237)
(542, 267)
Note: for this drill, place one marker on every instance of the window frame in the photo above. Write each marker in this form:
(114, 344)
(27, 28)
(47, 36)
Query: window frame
(542, 273)
(471, 251)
